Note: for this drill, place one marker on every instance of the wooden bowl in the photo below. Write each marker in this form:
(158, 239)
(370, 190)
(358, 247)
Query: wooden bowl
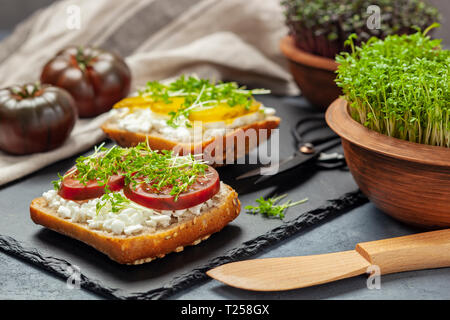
(313, 74)
(409, 181)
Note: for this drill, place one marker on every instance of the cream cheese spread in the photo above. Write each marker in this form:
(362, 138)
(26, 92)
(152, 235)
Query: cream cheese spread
(131, 220)
(144, 120)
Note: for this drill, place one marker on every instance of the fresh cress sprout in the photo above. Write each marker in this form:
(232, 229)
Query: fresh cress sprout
(140, 164)
(197, 93)
(115, 200)
(270, 208)
(399, 87)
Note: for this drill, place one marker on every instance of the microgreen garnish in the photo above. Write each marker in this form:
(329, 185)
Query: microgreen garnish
(115, 200)
(270, 208)
(197, 93)
(140, 164)
(399, 87)
(57, 183)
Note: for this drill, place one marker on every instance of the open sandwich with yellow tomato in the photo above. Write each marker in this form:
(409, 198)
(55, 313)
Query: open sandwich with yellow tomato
(192, 115)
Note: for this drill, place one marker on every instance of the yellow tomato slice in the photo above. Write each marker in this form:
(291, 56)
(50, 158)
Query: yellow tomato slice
(165, 108)
(133, 102)
(220, 112)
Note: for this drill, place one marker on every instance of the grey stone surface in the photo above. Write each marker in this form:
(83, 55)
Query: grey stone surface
(3, 34)
(19, 280)
(14, 11)
(22, 281)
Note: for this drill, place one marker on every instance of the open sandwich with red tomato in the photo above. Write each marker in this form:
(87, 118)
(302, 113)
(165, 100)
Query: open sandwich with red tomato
(137, 204)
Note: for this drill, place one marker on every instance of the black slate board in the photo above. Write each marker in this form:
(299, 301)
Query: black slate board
(330, 192)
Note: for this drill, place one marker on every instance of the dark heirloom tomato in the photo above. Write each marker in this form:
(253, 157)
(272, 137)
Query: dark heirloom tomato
(72, 189)
(96, 79)
(35, 118)
(202, 190)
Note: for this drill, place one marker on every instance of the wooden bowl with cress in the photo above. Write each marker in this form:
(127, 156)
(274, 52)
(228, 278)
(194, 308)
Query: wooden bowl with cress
(394, 121)
(318, 30)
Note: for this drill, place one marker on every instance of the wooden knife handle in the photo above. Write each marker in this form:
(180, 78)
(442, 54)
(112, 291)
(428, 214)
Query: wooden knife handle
(415, 252)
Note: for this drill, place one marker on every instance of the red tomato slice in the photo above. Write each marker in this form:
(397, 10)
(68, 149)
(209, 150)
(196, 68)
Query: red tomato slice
(116, 182)
(203, 189)
(72, 189)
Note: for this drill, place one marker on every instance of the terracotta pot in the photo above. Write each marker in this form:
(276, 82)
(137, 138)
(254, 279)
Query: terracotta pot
(313, 74)
(409, 181)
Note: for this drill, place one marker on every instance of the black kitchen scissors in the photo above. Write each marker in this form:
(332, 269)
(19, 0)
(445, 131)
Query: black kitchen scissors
(307, 150)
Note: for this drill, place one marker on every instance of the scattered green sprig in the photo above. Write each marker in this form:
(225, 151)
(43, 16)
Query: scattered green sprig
(400, 87)
(270, 208)
(198, 93)
(57, 183)
(115, 200)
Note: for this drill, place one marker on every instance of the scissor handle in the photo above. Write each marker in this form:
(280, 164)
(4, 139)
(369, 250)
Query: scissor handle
(297, 133)
(317, 149)
(321, 140)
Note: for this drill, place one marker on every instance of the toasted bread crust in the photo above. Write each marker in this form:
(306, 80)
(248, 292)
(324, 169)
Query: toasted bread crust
(126, 138)
(144, 247)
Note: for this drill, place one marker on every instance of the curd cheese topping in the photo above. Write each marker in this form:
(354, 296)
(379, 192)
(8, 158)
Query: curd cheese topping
(131, 220)
(144, 120)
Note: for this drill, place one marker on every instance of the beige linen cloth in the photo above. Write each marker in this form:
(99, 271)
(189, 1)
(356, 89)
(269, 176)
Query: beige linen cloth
(218, 39)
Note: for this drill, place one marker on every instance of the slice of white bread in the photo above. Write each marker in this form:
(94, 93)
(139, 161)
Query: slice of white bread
(157, 141)
(147, 246)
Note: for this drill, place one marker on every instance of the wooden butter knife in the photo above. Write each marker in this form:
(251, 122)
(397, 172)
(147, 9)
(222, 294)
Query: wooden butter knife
(414, 252)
